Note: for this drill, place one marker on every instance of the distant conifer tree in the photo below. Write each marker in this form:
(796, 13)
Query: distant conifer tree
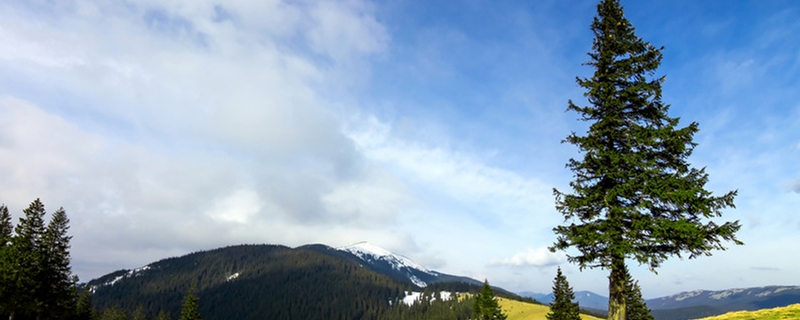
(191, 304)
(485, 306)
(563, 306)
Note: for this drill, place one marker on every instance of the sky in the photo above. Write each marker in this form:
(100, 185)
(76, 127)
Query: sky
(430, 128)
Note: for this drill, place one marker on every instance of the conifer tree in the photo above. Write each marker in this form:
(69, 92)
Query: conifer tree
(485, 306)
(6, 228)
(191, 304)
(634, 195)
(563, 306)
(6, 281)
(84, 310)
(27, 264)
(635, 307)
(60, 293)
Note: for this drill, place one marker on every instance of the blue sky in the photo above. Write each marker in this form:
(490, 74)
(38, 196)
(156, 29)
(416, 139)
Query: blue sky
(430, 128)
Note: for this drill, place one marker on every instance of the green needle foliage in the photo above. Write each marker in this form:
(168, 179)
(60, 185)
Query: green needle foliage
(634, 195)
(485, 305)
(191, 304)
(36, 281)
(563, 306)
(636, 308)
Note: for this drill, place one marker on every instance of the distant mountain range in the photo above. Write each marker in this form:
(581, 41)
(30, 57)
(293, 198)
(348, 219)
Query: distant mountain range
(360, 281)
(696, 304)
(586, 299)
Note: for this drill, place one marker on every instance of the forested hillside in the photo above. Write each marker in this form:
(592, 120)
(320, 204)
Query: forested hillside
(272, 282)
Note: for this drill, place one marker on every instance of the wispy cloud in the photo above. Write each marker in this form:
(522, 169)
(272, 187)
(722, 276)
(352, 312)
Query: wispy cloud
(539, 257)
(765, 269)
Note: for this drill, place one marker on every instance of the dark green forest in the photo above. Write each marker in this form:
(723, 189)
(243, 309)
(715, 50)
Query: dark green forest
(272, 282)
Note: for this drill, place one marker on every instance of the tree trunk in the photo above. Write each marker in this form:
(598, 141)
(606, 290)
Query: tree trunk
(616, 289)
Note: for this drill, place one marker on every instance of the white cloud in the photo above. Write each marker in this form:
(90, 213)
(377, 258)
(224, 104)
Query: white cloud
(172, 128)
(457, 175)
(538, 257)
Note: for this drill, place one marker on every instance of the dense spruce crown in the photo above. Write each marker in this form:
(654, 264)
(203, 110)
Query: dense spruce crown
(634, 195)
(563, 306)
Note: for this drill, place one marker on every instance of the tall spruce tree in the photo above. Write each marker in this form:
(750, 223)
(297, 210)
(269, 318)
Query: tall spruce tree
(563, 306)
(485, 306)
(60, 295)
(634, 195)
(27, 264)
(635, 307)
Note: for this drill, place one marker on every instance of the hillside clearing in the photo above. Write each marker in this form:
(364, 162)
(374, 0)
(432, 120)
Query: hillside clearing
(788, 312)
(517, 310)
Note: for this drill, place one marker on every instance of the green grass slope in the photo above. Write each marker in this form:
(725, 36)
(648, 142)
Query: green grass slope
(788, 312)
(517, 310)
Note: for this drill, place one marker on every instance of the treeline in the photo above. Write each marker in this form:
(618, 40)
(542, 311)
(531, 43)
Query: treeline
(36, 281)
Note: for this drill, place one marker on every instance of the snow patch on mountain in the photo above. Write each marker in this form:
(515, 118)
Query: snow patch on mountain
(368, 251)
(371, 253)
(413, 297)
(687, 295)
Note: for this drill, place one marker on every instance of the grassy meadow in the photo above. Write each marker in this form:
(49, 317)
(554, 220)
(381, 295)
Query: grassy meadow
(517, 310)
(788, 312)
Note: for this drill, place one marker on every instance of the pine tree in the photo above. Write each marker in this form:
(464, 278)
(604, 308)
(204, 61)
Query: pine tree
(634, 193)
(27, 264)
(485, 305)
(563, 306)
(191, 304)
(635, 307)
(60, 295)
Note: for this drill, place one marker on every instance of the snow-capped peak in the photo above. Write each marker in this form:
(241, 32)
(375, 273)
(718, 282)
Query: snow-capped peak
(372, 254)
(365, 249)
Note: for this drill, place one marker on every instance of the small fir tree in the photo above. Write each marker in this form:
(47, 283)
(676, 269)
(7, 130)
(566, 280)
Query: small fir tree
(635, 307)
(563, 306)
(485, 306)
(634, 195)
(191, 306)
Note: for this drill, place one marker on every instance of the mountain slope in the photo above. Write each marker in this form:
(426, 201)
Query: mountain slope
(277, 282)
(744, 298)
(394, 265)
(253, 282)
(704, 303)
